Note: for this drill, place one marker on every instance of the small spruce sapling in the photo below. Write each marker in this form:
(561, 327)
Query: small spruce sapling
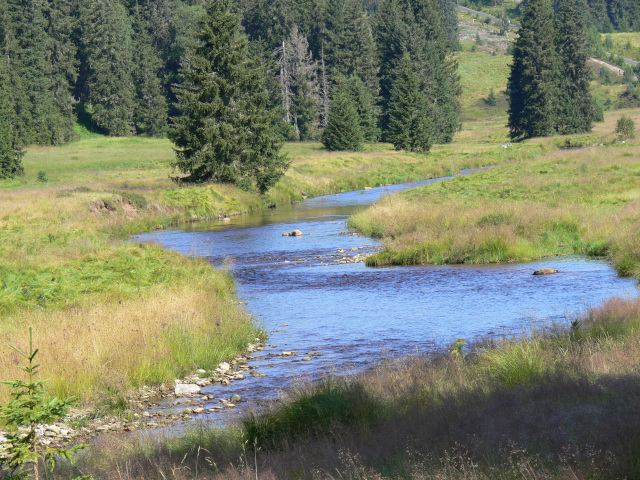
(28, 408)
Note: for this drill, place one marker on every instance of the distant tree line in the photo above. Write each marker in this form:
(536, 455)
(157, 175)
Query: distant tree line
(604, 16)
(114, 65)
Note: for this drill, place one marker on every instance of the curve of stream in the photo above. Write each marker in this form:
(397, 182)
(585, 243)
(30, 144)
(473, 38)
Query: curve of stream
(314, 295)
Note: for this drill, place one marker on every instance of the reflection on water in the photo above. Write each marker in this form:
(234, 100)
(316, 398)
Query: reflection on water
(354, 315)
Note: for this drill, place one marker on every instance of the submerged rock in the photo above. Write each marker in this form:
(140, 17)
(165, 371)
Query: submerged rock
(545, 271)
(294, 233)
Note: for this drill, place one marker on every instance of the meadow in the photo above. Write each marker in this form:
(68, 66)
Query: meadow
(68, 270)
(579, 195)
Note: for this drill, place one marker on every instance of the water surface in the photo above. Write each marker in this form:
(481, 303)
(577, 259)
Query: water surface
(355, 315)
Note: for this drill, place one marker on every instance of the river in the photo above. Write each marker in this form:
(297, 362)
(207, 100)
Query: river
(355, 316)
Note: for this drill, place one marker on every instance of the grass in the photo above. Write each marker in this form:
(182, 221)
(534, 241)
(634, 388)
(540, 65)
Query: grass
(554, 403)
(625, 44)
(67, 270)
(555, 202)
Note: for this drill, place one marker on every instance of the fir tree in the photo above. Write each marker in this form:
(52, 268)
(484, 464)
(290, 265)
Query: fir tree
(105, 86)
(150, 113)
(533, 82)
(225, 130)
(365, 107)
(410, 119)
(10, 154)
(343, 130)
(38, 119)
(61, 58)
(576, 104)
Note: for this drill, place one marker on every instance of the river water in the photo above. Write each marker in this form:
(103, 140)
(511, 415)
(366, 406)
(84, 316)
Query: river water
(356, 316)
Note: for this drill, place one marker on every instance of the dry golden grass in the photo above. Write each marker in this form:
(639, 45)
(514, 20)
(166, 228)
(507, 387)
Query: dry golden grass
(442, 417)
(582, 201)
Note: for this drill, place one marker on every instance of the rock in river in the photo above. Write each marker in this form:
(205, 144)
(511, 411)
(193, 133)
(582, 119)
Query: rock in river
(187, 389)
(294, 233)
(545, 271)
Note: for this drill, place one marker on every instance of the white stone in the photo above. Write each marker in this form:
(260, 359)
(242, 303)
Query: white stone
(187, 389)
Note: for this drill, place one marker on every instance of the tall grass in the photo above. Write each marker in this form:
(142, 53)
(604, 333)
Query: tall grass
(557, 203)
(555, 403)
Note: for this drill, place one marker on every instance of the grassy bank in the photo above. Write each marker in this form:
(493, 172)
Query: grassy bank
(566, 201)
(93, 298)
(554, 404)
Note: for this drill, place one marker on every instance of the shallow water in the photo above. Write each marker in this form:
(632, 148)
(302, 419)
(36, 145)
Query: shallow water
(356, 316)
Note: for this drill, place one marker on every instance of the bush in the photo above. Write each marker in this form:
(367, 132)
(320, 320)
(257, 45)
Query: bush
(42, 176)
(625, 127)
(491, 100)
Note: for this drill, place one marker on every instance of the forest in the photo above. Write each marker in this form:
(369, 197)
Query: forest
(113, 66)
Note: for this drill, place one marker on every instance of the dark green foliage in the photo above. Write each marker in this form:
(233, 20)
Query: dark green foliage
(10, 154)
(332, 405)
(29, 407)
(416, 27)
(225, 130)
(349, 46)
(491, 99)
(410, 115)
(576, 112)
(365, 106)
(625, 127)
(343, 131)
(604, 75)
(105, 85)
(36, 64)
(533, 82)
(150, 112)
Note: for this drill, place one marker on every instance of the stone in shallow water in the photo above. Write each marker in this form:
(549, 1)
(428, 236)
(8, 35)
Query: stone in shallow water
(545, 271)
(187, 389)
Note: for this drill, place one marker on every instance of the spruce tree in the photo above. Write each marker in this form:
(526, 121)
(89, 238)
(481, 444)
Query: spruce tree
(150, 112)
(343, 130)
(61, 58)
(105, 86)
(10, 154)
(225, 130)
(365, 107)
(410, 118)
(533, 82)
(576, 113)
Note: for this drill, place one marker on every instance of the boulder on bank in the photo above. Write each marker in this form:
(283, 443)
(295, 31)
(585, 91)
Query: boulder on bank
(294, 233)
(183, 389)
(545, 271)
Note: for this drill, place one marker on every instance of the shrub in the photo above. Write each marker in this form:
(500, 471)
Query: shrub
(625, 127)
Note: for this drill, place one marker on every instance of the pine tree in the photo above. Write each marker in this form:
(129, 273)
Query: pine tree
(410, 118)
(343, 130)
(38, 119)
(416, 27)
(61, 58)
(533, 82)
(365, 107)
(360, 48)
(150, 113)
(105, 86)
(576, 104)
(225, 130)
(10, 154)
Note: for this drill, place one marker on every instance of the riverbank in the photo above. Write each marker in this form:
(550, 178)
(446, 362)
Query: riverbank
(556, 403)
(68, 271)
(562, 202)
